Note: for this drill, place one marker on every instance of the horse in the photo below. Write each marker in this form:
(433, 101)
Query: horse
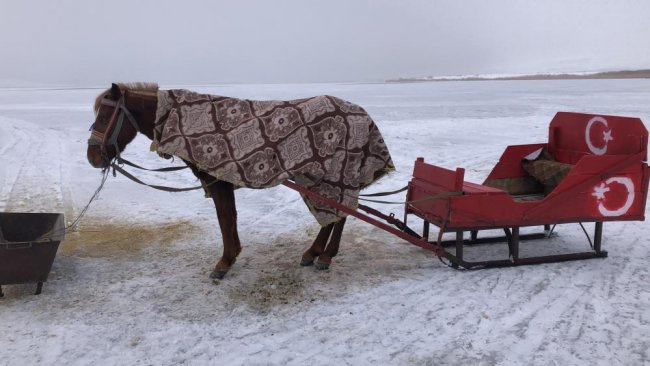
(324, 143)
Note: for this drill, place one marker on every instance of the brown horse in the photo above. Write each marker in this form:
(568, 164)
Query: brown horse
(126, 109)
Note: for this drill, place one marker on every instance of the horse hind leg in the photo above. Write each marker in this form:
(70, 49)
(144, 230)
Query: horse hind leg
(318, 246)
(223, 195)
(325, 259)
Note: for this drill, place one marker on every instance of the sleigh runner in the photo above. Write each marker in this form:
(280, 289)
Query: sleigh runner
(593, 169)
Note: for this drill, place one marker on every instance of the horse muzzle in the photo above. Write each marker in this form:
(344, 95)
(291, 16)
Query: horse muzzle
(96, 158)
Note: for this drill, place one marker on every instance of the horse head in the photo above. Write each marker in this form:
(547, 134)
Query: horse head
(116, 125)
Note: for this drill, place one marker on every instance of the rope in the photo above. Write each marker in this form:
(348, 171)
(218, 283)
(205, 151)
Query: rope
(73, 225)
(75, 222)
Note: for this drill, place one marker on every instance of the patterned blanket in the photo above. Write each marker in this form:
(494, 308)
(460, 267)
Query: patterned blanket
(324, 143)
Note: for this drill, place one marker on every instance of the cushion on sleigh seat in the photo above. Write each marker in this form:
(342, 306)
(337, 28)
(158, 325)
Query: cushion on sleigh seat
(543, 168)
(516, 186)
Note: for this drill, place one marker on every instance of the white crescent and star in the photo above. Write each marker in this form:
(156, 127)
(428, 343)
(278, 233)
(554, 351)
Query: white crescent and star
(600, 190)
(607, 135)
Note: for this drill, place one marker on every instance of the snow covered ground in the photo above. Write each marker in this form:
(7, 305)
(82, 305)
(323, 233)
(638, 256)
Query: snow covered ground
(132, 287)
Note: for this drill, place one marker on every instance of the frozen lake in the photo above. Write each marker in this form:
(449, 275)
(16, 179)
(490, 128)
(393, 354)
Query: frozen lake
(132, 286)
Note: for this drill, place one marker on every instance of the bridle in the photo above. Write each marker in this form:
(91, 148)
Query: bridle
(113, 129)
(109, 138)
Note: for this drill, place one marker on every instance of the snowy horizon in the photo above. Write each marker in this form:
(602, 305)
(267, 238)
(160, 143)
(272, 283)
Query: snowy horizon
(22, 84)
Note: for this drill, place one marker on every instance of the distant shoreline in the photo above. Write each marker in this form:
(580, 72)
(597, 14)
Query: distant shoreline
(623, 74)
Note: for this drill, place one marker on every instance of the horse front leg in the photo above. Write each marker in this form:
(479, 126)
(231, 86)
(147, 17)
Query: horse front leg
(223, 195)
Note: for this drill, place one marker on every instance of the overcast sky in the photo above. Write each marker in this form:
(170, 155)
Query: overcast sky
(86, 43)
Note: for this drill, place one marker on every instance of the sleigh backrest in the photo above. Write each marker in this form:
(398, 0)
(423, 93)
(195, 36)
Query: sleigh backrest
(574, 135)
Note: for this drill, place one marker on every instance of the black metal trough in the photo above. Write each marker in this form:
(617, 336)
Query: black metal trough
(28, 245)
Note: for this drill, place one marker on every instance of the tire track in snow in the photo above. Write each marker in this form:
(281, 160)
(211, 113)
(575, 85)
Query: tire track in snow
(35, 189)
(16, 147)
(65, 186)
(8, 146)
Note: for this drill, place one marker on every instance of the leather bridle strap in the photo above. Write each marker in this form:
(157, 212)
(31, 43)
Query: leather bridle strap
(122, 106)
(114, 126)
(116, 122)
(160, 188)
(110, 128)
(121, 160)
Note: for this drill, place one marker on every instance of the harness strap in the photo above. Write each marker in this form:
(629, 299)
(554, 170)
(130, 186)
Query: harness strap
(96, 135)
(121, 160)
(378, 194)
(119, 112)
(116, 132)
(111, 125)
(129, 116)
(108, 102)
(160, 188)
(425, 198)
(391, 219)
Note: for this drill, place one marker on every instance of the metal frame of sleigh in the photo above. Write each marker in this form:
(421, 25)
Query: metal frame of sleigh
(600, 171)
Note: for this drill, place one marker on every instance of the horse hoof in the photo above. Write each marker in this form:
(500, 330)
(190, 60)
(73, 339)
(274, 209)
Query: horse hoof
(307, 262)
(218, 275)
(321, 265)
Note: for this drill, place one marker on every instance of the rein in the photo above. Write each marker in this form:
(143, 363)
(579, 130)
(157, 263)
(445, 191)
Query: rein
(121, 160)
(117, 168)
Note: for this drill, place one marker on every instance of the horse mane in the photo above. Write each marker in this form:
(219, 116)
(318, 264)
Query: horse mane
(138, 86)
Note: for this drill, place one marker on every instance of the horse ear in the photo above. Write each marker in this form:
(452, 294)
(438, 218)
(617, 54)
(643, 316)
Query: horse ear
(116, 93)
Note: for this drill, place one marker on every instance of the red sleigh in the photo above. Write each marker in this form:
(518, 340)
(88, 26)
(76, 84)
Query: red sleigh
(608, 181)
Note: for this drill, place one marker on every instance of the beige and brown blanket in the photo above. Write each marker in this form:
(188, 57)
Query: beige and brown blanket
(324, 143)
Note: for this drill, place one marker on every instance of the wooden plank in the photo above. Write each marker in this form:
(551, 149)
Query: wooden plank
(445, 178)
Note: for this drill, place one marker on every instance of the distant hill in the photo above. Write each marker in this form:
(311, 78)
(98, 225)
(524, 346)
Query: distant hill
(623, 74)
